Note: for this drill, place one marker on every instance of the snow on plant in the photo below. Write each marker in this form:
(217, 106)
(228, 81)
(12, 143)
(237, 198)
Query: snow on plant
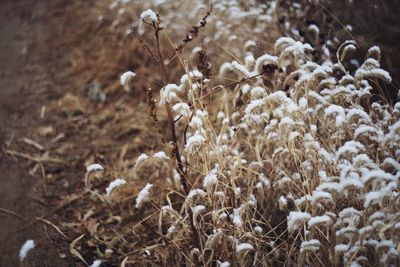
(126, 79)
(160, 155)
(194, 142)
(224, 264)
(288, 163)
(143, 195)
(114, 184)
(296, 218)
(371, 67)
(94, 167)
(96, 263)
(229, 25)
(243, 247)
(26, 247)
(311, 245)
(182, 109)
(141, 158)
(339, 169)
(210, 179)
(148, 16)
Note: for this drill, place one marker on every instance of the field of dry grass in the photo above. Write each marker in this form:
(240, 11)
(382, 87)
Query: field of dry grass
(232, 133)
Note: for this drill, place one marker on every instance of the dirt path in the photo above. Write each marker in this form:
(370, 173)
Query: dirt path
(47, 57)
(21, 27)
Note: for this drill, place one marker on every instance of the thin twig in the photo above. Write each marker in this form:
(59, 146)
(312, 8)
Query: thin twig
(32, 158)
(171, 122)
(146, 46)
(153, 112)
(176, 149)
(10, 212)
(219, 87)
(193, 33)
(52, 225)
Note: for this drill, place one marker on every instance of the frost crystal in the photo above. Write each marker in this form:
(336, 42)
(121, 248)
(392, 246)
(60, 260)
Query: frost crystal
(295, 218)
(116, 183)
(249, 43)
(225, 264)
(210, 179)
(126, 78)
(263, 60)
(141, 158)
(96, 263)
(242, 69)
(311, 245)
(244, 247)
(28, 245)
(160, 155)
(340, 248)
(324, 219)
(169, 93)
(339, 111)
(191, 75)
(171, 229)
(258, 229)
(237, 219)
(318, 195)
(148, 16)
(94, 167)
(143, 195)
(193, 142)
(182, 109)
(195, 192)
(199, 208)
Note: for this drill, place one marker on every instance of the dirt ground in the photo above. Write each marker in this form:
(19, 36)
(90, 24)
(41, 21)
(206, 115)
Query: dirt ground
(22, 71)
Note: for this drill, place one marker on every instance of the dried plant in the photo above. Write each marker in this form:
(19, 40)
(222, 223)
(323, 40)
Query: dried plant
(280, 158)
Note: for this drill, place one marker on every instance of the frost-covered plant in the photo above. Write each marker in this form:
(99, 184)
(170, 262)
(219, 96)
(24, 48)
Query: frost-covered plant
(317, 143)
(231, 23)
(26, 247)
(290, 163)
(114, 184)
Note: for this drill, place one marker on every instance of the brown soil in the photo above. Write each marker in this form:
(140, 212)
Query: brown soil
(23, 33)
